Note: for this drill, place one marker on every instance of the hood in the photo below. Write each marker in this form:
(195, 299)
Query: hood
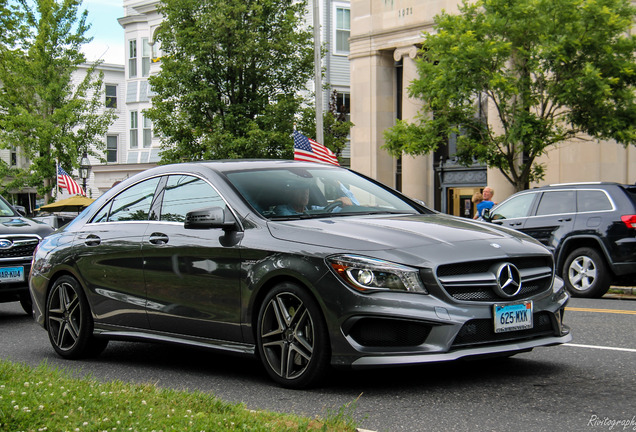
(434, 237)
(16, 225)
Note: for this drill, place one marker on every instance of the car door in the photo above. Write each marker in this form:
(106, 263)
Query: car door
(553, 219)
(109, 256)
(513, 212)
(192, 276)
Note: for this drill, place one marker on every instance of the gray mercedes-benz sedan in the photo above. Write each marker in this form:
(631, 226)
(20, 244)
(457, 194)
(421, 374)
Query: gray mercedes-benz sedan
(304, 265)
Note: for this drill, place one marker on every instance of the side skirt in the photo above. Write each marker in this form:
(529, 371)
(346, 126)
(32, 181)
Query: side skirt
(126, 334)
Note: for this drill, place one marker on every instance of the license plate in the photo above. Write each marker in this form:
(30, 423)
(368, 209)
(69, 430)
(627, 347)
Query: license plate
(513, 317)
(11, 274)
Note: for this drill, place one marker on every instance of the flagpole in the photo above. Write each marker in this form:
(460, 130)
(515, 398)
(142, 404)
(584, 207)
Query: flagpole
(318, 72)
(57, 178)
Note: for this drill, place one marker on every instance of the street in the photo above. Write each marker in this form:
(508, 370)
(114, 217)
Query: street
(589, 384)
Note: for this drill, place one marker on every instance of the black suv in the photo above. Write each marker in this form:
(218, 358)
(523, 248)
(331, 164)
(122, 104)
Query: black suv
(19, 237)
(589, 227)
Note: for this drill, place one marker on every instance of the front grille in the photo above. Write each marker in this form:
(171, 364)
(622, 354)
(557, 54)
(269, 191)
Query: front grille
(481, 331)
(23, 246)
(377, 332)
(477, 281)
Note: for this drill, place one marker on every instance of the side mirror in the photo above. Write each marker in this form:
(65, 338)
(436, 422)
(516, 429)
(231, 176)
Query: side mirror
(210, 217)
(20, 209)
(485, 215)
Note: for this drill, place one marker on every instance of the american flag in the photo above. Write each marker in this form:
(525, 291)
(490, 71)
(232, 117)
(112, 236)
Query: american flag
(66, 181)
(308, 150)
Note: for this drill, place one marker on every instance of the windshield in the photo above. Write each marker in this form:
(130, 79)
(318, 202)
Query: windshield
(293, 193)
(5, 209)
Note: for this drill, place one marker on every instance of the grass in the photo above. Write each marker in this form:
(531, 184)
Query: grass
(48, 399)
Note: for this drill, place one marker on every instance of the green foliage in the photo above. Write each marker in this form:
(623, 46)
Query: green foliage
(550, 70)
(42, 113)
(230, 75)
(44, 398)
(336, 127)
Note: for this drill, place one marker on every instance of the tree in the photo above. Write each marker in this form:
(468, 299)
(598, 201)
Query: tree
(550, 70)
(42, 114)
(230, 77)
(335, 124)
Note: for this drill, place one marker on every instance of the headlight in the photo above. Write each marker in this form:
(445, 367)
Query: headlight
(370, 274)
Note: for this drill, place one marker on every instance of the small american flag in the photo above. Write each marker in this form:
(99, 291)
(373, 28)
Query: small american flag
(308, 150)
(66, 181)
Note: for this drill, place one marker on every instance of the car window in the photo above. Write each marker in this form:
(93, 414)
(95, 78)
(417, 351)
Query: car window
(557, 202)
(133, 204)
(592, 200)
(515, 207)
(315, 192)
(631, 192)
(183, 194)
(5, 209)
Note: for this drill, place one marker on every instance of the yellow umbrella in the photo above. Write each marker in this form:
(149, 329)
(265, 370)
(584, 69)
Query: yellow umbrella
(75, 203)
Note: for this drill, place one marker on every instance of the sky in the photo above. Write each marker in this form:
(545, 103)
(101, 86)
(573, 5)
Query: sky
(108, 36)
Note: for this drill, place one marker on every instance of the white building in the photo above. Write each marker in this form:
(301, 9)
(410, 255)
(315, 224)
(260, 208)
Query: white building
(143, 58)
(115, 139)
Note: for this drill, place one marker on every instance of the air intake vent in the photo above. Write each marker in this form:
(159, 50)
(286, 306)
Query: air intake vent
(376, 332)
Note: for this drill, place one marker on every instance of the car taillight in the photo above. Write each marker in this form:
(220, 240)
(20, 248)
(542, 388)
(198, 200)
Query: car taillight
(629, 220)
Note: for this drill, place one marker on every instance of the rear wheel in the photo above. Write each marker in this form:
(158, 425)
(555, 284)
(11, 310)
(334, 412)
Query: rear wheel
(69, 321)
(585, 273)
(292, 337)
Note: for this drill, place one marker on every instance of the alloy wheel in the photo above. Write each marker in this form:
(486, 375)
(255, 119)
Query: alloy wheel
(582, 273)
(287, 335)
(64, 316)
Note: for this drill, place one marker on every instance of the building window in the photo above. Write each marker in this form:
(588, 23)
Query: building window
(111, 96)
(132, 58)
(343, 105)
(343, 30)
(145, 57)
(147, 132)
(14, 156)
(134, 129)
(111, 148)
(156, 53)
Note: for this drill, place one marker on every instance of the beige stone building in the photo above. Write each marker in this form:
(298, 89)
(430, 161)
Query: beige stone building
(385, 36)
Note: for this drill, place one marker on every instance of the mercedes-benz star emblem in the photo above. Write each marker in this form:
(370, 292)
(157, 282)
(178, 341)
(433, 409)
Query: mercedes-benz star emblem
(508, 280)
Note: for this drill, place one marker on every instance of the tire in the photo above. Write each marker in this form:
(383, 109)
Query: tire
(585, 273)
(27, 304)
(69, 322)
(292, 338)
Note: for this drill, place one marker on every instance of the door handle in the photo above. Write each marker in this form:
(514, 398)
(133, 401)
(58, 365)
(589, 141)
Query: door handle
(564, 219)
(158, 238)
(515, 224)
(92, 240)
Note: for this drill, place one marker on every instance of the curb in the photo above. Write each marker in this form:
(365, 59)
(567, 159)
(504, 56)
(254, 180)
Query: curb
(621, 292)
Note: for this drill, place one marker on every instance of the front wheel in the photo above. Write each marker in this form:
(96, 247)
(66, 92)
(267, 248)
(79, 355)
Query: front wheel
(69, 322)
(292, 337)
(585, 273)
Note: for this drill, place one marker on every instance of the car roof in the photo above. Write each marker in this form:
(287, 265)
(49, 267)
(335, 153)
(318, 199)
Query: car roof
(243, 164)
(580, 185)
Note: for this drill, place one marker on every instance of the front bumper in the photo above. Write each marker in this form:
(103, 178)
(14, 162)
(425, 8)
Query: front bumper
(426, 328)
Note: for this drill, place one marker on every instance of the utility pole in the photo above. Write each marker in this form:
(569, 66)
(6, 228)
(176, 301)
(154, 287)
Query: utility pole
(318, 72)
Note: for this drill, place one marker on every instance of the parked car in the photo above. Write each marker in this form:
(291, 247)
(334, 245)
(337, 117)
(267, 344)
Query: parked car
(19, 236)
(211, 255)
(55, 220)
(590, 228)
